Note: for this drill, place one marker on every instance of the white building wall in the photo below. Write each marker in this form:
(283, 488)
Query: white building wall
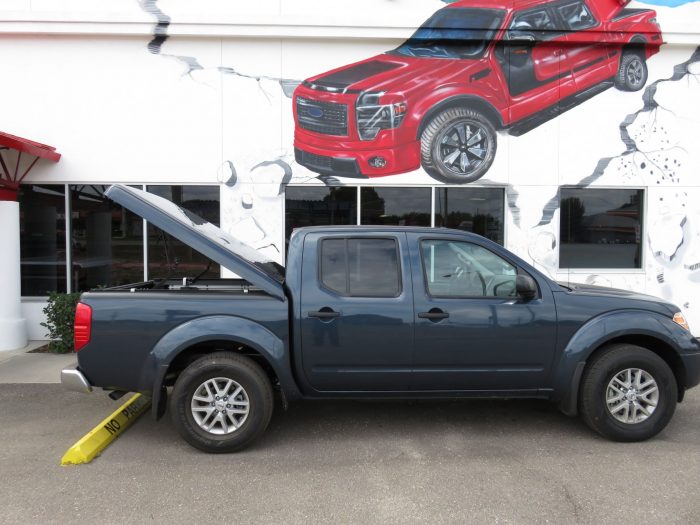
(210, 100)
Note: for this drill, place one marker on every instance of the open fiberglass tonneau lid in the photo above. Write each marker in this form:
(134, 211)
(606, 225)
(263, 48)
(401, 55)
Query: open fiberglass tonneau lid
(204, 237)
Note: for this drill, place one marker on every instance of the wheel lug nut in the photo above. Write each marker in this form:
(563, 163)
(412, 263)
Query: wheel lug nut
(228, 406)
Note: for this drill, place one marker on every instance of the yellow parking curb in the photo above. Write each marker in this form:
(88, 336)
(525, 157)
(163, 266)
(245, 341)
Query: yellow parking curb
(94, 442)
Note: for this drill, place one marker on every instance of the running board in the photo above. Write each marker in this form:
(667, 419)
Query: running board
(530, 123)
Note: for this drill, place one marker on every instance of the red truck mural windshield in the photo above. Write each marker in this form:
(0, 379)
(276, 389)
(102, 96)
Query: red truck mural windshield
(473, 69)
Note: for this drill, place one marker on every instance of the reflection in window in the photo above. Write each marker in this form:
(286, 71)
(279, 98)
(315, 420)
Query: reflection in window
(170, 258)
(106, 240)
(477, 210)
(42, 238)
(600, 228)
(463, 269)
(395, 206)
(319, 206)
(361, 267)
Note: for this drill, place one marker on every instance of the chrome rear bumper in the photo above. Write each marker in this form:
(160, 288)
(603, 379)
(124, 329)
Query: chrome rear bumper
(73, 379)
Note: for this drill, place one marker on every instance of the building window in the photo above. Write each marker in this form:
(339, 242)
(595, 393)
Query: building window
(477, 210)
(106, 240)
(319, 206)
(600, 228)
(395, 206)
(42, 238)
(170, 258)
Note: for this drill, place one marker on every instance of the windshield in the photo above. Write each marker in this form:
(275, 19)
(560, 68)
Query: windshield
(454, 32)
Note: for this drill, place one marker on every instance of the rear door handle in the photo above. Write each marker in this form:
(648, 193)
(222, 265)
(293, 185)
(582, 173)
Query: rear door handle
(324, 313)
(434, 314)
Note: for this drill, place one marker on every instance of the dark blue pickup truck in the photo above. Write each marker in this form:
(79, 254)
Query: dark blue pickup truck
(375, 312)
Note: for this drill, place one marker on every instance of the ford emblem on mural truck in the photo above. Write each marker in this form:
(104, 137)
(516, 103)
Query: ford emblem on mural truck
(473, 69)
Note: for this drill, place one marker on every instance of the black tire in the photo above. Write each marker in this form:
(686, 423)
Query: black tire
(434, 151)
(256, 388)
(595, 386)
(632, 73)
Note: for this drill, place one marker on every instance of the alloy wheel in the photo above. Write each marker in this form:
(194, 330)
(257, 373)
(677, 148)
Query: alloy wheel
(220, 406)
(632, 396)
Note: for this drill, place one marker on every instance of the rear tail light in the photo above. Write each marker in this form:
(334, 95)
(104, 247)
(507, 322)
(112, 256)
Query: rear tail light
(82, 326)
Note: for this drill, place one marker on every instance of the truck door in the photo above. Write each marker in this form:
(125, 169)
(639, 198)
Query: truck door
(472, 331)
(530, 57)
(356, 312)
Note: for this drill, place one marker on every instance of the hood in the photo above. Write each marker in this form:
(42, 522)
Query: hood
(394, 73)
(590, 289)
(204, 237)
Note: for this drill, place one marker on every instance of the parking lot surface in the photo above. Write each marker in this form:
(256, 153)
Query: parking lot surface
(342, 462)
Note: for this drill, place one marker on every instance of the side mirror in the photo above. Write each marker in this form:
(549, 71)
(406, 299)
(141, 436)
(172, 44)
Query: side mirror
(526, 287)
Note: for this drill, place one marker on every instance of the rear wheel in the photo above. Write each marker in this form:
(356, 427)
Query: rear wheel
(632, 72)
(222, 402)
(458, 145)
(628, 393)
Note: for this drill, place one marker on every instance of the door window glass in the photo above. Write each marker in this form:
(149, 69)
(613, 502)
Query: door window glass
(536, 25)
(361, 267)
(462, 269)
(576, 16)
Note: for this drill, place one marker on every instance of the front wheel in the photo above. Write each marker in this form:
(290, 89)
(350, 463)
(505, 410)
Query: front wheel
(632, 73)
(628, 393)
(222, 402)
(458, 145)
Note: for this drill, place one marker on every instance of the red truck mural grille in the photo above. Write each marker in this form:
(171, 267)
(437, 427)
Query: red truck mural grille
(327, 118)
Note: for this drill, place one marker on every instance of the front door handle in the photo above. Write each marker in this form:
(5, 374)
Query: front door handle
(324, 313)
(435, 314)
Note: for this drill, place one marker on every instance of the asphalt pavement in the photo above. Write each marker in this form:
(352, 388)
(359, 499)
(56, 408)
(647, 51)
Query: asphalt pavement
(342, 462)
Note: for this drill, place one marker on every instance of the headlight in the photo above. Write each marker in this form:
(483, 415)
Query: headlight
(679, 319)
(372, 117)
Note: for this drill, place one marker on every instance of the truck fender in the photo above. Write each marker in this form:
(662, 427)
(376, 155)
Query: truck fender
(443, 99)
(215, 328)
(601, 330)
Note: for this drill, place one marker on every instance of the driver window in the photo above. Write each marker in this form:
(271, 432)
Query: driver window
(463, 269)
(536, 25)
(576, 16)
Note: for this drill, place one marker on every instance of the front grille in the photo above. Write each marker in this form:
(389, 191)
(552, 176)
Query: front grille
(327, 118)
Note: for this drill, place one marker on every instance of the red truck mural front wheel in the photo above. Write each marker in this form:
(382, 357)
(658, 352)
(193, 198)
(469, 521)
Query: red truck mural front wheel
(458, 145)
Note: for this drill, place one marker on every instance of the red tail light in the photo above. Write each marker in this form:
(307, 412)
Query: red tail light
(82, 326)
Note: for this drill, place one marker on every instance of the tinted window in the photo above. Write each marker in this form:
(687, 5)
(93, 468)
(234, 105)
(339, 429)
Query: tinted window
(462, 269)
(396, 206)
(536, 24)
(477, 210)
(361, 267)
(600, 228)
(167, 256)
(42, 217)
(106, 240)
(319, 206)
(576, 16)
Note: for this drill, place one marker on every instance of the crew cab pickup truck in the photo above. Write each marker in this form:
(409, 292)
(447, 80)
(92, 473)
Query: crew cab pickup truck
(375, 312)
(475, 67)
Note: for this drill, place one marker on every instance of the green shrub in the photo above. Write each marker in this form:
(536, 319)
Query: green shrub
(60, 315)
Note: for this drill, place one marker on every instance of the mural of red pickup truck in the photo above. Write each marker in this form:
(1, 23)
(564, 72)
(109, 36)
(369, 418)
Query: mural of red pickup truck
(474, 68)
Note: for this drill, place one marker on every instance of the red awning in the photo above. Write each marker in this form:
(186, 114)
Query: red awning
(11, 176)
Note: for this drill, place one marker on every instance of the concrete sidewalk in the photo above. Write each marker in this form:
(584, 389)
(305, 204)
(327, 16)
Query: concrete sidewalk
(19, 366)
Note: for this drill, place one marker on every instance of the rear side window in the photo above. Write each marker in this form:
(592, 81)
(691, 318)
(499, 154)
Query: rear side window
(361, 267)
(576, 16)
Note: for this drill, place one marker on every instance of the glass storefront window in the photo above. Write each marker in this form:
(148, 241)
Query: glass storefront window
(600, 228)
(395, 206)
(169, 258)
(477, 210)
(106, 240)
(319, 206)
(42, 209)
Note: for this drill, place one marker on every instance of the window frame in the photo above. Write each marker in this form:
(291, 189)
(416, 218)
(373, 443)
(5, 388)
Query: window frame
(604, 269)
(426, 287)
(346, 238)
